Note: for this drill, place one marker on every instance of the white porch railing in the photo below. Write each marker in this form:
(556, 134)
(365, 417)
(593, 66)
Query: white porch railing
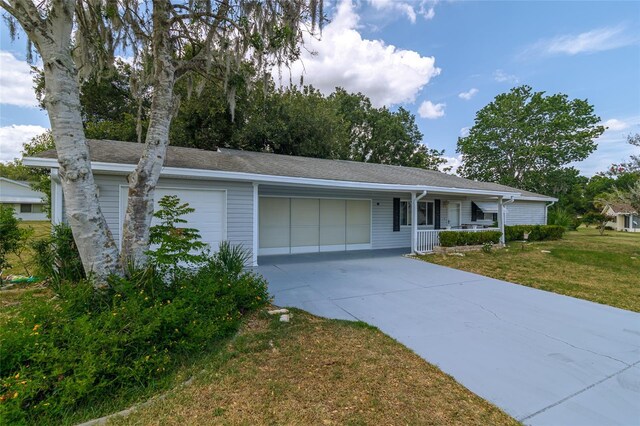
(427, 239)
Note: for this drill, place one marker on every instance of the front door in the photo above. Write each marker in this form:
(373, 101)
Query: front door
(453, 215)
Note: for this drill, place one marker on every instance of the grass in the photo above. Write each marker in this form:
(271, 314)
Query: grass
(604, 269)
(317, 371)
(23, 265)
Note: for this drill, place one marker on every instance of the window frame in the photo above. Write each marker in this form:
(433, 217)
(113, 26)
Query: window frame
(23, 208)
(405, 212)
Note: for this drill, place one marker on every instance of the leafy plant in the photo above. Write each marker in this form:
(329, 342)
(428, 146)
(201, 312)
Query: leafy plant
(487, 248)
(562, 217)
(468, 238)
(176, 246)
(535, 232)
(65, 354)
(57, 257)
(10, 235)
(232, 259)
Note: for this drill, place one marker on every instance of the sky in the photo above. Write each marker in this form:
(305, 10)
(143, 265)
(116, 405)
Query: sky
(442, 60)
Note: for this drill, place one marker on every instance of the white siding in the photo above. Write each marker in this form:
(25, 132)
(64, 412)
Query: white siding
(27, 217)
(239, 204)
(526, 213)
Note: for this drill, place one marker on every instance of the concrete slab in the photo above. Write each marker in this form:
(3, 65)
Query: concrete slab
(542, 357)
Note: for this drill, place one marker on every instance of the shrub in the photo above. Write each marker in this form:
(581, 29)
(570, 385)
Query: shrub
(536, 232)
(57, 257)
(562, 217)
(10, 235)
(176, 246)
(62, 355)
(469, 238)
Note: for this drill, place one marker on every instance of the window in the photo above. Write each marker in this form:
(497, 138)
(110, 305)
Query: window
(426, 213)
(25, 208)
(491, 216)
(405, 213)
(36, 208)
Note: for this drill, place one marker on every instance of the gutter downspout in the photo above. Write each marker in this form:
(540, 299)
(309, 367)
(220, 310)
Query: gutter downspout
(414, 220)
(546, 212)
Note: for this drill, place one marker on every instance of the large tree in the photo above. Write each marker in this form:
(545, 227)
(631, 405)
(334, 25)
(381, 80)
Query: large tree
(526, 139)
(169, 41)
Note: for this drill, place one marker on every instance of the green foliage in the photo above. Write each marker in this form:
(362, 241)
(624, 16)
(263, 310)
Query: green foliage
(176, 246)
(469, 238)
(56, 257)
(562, 217)
(232, 259)
(10, 235)
(525, 139)
(487, 248)
(69, 353)
(536, 232)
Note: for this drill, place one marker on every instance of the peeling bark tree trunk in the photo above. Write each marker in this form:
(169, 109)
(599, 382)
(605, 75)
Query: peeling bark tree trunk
(142, 182)
(93, 238)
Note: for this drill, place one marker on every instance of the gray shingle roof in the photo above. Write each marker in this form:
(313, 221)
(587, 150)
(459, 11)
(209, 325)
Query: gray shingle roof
(231, 160)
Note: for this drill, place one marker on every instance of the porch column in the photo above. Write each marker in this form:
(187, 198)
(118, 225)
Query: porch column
(414, 222)
(254, 251)
(501, 219)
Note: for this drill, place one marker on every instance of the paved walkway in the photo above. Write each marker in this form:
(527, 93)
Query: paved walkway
(544, 358)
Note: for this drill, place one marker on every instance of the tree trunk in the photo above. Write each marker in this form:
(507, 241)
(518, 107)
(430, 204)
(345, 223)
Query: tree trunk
(98, 251)
(143, 181)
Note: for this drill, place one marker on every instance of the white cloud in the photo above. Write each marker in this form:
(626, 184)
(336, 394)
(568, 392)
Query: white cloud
(430, 110)
(612, 146)
(453, 163)
(13, 137)
(468, 95)
(615, 124)
(598, 40)
(426, 8)
(464, 132)
(500, 76)
(385, 73)
(16, 83)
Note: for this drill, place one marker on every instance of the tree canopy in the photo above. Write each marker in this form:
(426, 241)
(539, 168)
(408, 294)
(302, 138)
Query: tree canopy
(526, 139)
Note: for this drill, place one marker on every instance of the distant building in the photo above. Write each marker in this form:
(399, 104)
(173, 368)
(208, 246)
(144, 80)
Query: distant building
(27, 203)
(623, 217)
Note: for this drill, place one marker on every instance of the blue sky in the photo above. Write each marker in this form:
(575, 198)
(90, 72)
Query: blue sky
(443, 61)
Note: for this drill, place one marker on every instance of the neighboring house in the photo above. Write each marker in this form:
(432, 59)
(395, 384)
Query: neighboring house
(26, 203)
(623, 217)
(278, 204)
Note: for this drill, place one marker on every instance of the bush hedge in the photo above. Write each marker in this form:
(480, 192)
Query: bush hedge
(536, 232)
(468, 238)
(60, 355)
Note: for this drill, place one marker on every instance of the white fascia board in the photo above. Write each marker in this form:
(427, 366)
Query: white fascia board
(523, 198)
(271, 179)
(21, 200)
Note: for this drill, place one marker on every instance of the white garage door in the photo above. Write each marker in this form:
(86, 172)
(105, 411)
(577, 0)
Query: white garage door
(209, 217)
(306, 225)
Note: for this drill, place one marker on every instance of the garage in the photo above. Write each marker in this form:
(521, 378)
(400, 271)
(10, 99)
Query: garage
(307, 225)
(209, 217)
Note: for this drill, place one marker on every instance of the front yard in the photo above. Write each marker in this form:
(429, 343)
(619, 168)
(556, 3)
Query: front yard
(604, 269)
(315, 371)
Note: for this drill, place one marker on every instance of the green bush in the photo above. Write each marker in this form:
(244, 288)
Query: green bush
(57, 257)
(62, 355)
(562, 217)
(469, 238)
(536, 232)
(10, 235)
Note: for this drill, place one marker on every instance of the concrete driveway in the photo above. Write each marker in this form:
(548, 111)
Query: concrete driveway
(544, 358)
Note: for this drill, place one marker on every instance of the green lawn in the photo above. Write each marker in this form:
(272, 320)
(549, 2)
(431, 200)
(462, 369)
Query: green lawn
(24, 265)
(584, 264)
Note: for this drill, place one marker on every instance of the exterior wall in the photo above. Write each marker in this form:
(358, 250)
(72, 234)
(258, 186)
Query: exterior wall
(526, 213)
(27, 217)
(239, 204)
